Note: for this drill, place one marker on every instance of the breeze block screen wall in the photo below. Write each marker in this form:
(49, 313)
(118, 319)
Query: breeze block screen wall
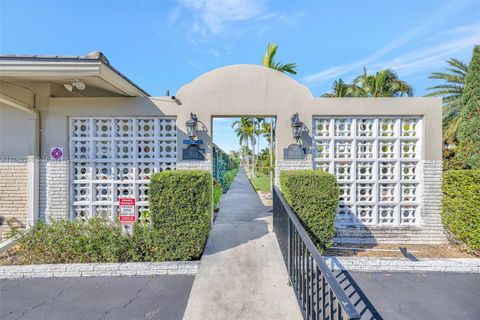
(115, 157)
(376, 162)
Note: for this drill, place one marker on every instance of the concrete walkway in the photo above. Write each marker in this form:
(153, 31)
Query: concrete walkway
(242, 274)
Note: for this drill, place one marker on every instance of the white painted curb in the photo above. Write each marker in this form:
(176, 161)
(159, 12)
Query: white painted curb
(372, 264)
(99, 269)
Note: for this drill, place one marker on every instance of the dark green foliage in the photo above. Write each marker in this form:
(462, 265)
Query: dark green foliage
(313, 196)
(469, 131)
(181, 204)
(227, 179)
(217, 193)
(75, 241)
(461, 205)
(224, 168)
(180, 210)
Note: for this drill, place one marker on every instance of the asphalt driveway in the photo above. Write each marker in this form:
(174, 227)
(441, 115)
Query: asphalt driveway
(159, 297)
(411, 296)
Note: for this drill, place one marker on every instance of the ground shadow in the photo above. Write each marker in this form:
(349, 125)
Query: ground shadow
(361, 302)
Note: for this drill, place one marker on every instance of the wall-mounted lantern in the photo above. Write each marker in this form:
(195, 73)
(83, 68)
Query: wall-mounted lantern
(191, 125)
(297, 127)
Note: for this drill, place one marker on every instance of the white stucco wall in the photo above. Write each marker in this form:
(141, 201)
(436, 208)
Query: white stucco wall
(239, 90)
(17, 133)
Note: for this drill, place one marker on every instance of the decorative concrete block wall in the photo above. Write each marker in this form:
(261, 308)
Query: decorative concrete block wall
(54, 190)
(13, 194)
(430, 230)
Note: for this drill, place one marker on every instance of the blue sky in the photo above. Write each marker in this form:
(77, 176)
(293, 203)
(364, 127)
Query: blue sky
(164, 44)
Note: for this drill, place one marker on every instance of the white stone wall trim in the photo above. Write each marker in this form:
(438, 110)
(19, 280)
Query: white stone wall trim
(99, 269)
(371, 264)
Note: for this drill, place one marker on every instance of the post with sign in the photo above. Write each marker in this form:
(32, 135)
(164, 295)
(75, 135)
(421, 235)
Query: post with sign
(128, 215)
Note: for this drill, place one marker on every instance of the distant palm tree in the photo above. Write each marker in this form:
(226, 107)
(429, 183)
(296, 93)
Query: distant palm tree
(244, 129)
(269, 61)
(451, 91)
(257, 123)
(340, 89)
(266, 128)
(384, 83)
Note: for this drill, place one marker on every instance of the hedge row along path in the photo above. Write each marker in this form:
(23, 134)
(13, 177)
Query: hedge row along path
(242, 274)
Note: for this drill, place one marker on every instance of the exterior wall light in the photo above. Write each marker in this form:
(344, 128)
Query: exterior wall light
(191, 125)
(75, 84)
(297, 127)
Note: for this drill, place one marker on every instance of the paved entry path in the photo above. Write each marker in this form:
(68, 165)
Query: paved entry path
(242, 274)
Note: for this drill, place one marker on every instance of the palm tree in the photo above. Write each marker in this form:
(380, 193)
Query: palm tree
(269, 61)
(244, 130)
(257, 132)
(384, 83)
(340, 89)
(451, 91)
(266, 128)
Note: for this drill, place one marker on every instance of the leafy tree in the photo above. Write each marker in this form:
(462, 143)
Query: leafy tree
(269, 61)
(451, 91)
(340, 89)
(384, 83)
(469, 130)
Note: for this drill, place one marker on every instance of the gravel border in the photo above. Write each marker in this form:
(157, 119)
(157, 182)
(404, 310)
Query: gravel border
(99, 269)
(372, 264)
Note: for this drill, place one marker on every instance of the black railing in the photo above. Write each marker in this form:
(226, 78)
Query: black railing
(318, 292)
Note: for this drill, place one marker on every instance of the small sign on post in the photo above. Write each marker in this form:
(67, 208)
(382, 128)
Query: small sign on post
(128, 214)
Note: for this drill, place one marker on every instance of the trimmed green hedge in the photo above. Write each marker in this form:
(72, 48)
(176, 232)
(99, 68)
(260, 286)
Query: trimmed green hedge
(181, 204)
(461, 205)
(217, 194)
(313, 196)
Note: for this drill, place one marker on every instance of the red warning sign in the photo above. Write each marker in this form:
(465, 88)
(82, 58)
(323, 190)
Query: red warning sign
(127, 210)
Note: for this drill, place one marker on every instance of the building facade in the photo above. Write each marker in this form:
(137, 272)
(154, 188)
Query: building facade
(76, 135)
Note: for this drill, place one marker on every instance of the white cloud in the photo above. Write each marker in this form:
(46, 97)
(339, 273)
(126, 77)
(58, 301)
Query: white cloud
(475, 27)
(212, 16)
(429, 57)
(422, 54)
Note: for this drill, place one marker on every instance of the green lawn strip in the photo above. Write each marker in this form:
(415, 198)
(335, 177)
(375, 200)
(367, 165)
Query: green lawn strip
(261, 183)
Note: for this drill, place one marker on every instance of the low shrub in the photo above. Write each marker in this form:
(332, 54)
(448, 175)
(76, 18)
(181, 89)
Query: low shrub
(73, 241)
(461, 206)
(180, 205)
(313, 196)
(263, 170)
(217, 193)
(227, 179)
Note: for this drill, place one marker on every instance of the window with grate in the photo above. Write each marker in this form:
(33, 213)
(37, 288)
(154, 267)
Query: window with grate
(115, 157)
(376, 162)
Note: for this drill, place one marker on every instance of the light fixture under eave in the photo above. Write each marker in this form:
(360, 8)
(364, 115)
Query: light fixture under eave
(75, 84)
(68, 86)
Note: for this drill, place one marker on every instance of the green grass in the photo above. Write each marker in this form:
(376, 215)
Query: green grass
(261, 183)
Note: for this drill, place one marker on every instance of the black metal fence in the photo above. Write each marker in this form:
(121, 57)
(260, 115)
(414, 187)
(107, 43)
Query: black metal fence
(318, 292)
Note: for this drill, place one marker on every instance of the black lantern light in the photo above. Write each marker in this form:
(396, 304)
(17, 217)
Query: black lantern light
(297, 127)
(191, 125)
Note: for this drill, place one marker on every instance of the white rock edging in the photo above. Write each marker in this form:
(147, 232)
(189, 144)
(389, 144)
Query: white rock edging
(371, 264)
(99, 269)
